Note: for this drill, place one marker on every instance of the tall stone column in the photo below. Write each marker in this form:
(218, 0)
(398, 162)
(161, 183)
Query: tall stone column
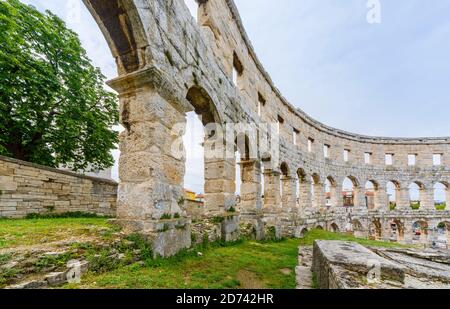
(289, 203)
(339, 200)
(335, 197)
(447, 198)
(272, 197)
(402, 196)
(319, 195)
(427, 199)
(152, 166)
(305, 195)
(359, 198)
(220, 186)
(381, 199)
(251, 200)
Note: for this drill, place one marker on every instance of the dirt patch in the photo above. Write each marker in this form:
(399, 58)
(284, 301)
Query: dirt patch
(286, 271)
(249, 280)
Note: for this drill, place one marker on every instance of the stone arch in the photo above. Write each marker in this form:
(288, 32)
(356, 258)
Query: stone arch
(303, 232)
(441, 195)
(123, 29)
(334, 227)
(203, 105)
(420, 231)
(443, 233)
(357, 228)
(319, 227)
(375, 229)
(284, 168)
(416, 190)
(393, 188)
(219, 172)
(397, 230)
(351, 192)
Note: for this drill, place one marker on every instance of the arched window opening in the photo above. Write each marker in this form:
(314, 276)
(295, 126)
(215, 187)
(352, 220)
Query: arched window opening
(414, 196)
(392, 189)
(334, 228)
(348, 192)
(397, 230)
(420, 232)
(440, 196)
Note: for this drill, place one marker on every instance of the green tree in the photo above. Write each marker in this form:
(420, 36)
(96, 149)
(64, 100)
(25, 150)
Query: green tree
(54, 108)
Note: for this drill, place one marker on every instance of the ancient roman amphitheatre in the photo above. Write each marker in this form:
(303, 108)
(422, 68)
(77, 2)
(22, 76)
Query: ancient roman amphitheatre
(170, 64)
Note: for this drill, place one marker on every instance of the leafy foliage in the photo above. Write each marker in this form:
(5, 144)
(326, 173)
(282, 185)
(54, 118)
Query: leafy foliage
(54, 108)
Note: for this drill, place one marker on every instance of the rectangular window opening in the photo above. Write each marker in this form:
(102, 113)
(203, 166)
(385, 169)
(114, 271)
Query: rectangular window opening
(389, 159)
(368, 158)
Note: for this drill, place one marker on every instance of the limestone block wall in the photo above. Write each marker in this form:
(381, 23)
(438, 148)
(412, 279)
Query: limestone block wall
(30, 188)
(170, 64)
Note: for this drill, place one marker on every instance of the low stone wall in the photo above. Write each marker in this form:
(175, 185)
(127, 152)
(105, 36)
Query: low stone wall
(30, 188)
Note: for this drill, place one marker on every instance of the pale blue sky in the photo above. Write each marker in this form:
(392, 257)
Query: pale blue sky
(390, 79)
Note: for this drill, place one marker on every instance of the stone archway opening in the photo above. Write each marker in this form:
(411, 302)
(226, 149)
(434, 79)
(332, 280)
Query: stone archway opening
(443, 234)
(350, 190)
(397, 230)
(375, 230)
(357, 229)
(393, 192)
(218, 171)
(420, 232)
(416, 190)
(440, 195)
(334, 228)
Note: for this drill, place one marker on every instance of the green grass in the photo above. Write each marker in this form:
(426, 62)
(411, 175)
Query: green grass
(246, 264)
(24, 232)
(440, 206)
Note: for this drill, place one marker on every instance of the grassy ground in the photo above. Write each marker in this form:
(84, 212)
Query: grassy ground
(244, 264)
(27, 232)
(247, 264)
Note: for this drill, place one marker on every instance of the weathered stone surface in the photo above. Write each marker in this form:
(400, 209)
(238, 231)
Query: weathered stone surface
(32, 188)
(332, 258)
(346, 265)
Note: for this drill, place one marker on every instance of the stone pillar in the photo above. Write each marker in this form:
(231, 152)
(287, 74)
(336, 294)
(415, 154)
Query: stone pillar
(319, 195)
(381, 199)
(402, 196)
(408, 233)
(305, 195)
(220, 186)
(427, 199)
(386, 230)
(272, 197)
(289, 204)
(251, 186)
(335, 196)
(447, 199)
(152, 166)
(359, 198)
(339, 198)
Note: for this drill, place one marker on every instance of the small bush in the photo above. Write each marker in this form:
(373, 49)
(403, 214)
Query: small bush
(166, 217)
